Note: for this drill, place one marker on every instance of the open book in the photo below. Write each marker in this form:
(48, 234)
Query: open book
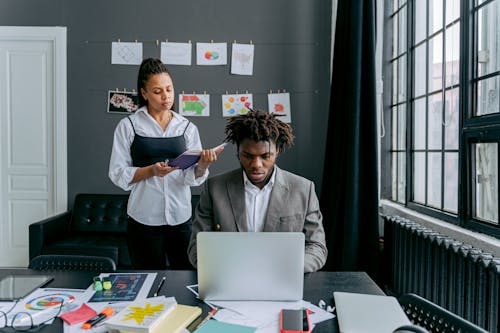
(189, 158)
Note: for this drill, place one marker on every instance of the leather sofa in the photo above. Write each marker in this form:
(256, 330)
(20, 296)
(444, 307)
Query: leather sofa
(96, 226)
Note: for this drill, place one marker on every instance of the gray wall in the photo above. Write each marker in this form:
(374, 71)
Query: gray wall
(292, 52)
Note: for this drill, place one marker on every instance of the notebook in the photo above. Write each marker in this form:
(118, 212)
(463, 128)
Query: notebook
(256, 266)
(363, 313)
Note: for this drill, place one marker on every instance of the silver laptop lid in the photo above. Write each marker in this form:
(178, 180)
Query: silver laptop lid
(258, 266)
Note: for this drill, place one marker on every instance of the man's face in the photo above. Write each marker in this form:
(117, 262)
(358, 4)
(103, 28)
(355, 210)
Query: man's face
(257, 160)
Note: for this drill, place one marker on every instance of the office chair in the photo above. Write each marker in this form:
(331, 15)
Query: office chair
(434, 318)
(51, 262)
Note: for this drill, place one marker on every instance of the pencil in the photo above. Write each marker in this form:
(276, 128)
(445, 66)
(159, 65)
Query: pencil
(209, 315)
(159, 286)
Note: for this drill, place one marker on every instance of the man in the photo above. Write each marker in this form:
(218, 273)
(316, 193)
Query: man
(260, 196)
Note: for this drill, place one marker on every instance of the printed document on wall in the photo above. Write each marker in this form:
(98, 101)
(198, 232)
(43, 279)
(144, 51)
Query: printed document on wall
(126, 53)
(279, 104)
(242, 59)
(176, 53)
(211, 54)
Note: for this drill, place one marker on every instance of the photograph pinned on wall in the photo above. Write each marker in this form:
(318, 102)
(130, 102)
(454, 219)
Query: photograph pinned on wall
(236, 104)
(211, 54)
(242, 59)
(126, 53)
(122, 101)
(194, 105)
(176, 53)
(279, 104)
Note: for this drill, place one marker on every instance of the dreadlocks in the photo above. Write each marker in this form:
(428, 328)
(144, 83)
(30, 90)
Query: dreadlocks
(259, 125)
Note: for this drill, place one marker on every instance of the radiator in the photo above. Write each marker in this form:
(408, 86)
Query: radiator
(454, 275)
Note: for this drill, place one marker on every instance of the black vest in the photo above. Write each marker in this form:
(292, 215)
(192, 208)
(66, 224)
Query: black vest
(146, 150)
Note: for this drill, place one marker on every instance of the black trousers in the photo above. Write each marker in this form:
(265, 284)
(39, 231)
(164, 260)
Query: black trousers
(148, 245)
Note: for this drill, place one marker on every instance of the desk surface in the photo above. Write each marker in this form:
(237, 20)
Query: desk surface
(317, 286)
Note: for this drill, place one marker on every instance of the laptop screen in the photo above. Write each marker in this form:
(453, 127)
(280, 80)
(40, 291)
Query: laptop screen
(259, 266)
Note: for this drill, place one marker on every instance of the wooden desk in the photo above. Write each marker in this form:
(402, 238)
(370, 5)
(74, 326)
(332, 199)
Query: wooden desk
(317, 286)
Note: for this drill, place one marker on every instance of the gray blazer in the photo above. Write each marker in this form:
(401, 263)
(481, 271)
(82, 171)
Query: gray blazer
(293, 206)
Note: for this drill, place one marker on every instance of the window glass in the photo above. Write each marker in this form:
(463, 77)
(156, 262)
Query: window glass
(487, 96)
(452, 10)
(436, 63)
(435, 114)
(401, 177)
(401, 127)
(435, 15)
(451, 182)
(434, 180)
(486, 181)
(419, 119)
(395, 83)
(402, 78)
(420, 21)
(402, 30)
(419, 177)
(395, 35)
(452, 50)
(419, 70)
(451, 112)
(394, 128)
(488, 41)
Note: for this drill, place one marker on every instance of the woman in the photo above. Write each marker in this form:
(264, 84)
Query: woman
(159, 206)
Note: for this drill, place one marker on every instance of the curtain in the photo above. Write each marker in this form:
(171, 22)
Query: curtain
(349, 196)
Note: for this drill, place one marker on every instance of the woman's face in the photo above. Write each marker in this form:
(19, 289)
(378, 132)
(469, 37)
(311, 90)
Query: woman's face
(159, 92)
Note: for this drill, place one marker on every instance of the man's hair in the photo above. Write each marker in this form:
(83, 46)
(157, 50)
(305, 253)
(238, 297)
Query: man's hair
(258, 125)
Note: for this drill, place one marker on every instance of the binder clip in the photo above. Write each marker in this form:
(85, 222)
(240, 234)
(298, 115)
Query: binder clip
(97, 283)
(106, 283)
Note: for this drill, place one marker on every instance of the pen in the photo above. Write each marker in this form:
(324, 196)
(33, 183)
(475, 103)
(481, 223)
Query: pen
(209, 315)
(159, 286)
(97, 319)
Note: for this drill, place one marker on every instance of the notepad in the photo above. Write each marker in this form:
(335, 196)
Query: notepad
(214, 326)
(178, 319)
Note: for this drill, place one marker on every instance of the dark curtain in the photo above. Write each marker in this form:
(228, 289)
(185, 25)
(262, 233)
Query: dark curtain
(349, 198)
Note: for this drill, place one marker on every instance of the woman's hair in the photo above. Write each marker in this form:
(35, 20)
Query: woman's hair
(258, 125)
(149, 66)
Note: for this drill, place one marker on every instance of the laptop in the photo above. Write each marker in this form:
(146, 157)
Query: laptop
(250, 266)
(363, 313)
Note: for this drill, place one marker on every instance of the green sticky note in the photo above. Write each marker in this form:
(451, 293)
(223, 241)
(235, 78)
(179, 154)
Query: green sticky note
(214, 326)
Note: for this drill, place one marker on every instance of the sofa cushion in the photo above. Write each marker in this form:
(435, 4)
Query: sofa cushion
(99, 213)
(106, 245)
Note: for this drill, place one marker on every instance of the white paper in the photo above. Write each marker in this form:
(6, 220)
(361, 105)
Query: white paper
(242, 59)
(211, 54)
(279, 104)
(126, 53)
(176, 53)
(236, 104)
(194, 105)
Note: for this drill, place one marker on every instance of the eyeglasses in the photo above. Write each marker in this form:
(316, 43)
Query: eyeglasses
(23, 321)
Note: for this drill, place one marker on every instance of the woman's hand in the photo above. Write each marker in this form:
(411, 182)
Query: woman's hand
(161, 169)
(207, 157)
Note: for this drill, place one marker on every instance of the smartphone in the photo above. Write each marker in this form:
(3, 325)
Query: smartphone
(294, 321)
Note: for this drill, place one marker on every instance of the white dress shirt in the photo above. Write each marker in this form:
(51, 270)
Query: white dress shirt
(256, 202)
(156, 200)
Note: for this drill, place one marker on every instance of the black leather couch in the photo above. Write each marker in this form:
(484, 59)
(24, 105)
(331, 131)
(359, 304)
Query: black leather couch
(96, 226)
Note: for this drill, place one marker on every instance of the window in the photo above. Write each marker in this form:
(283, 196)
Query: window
(443, 109)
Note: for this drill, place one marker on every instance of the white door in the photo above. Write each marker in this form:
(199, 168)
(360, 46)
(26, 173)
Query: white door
(33, 165)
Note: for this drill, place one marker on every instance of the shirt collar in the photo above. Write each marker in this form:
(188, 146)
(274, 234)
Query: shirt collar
(248, 183)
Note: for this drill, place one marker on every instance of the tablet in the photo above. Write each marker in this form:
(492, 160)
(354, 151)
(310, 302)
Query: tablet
(15, 287)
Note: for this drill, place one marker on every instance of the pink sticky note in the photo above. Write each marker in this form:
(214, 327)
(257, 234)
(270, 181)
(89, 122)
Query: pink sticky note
(83, 313)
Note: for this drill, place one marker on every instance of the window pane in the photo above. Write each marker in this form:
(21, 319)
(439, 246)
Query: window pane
(451, 111)
(395, 128)
(402, 30)
(487, 96)
(419, 116)
(395, 34)
(486, 177)
(451, 182)
(394, 176)
(487, 39)
(402, 79)
(435, 121)
(401, 177)
(452, 10)
(419, 70)
(401, 127)
(395, 82)
(419, 177)
(436, 63)
(435, 15)
(420, 20)
(434, 180)
(452, 42)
